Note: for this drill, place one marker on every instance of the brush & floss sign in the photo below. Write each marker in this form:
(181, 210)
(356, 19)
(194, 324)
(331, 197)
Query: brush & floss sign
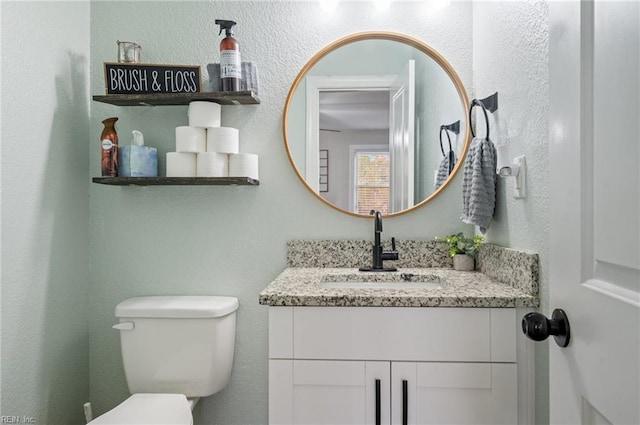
(121, 78)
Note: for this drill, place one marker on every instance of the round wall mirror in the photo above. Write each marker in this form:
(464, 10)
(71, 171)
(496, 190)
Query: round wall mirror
(376, 121)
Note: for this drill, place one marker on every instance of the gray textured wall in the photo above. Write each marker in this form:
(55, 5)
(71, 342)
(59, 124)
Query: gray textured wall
(45, 210)
(511, 56)
(231, 240)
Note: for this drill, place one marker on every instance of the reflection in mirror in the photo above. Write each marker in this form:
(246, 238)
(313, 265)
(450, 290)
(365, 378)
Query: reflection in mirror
(374, 104)
(354, 128)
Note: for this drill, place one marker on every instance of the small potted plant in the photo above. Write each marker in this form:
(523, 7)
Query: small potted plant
(463, 250)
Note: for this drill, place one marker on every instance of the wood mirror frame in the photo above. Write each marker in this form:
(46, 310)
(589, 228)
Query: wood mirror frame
(412, 42)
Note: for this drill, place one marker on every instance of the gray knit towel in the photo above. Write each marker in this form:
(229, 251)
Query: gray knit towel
(249, 72)
(443, 169)
(479, 184)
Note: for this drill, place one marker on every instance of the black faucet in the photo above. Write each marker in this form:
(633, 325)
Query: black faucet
(379, 255)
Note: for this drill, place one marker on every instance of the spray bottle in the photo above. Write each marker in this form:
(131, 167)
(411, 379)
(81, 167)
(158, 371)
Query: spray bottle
(230, 71)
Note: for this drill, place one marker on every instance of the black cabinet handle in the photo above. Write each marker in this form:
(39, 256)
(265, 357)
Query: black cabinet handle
(405, 402)
(378, 412)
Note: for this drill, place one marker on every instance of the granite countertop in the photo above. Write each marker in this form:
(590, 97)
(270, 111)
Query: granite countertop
(302, 286)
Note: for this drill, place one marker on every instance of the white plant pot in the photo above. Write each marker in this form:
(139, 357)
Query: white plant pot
(463, 262)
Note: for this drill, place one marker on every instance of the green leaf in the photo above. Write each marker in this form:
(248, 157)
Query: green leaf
(459, 244)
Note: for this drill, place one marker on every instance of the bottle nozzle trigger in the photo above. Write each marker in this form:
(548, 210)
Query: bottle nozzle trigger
(225, 25)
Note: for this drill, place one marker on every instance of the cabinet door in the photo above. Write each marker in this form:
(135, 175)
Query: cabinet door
(454, 393)
(306, 392)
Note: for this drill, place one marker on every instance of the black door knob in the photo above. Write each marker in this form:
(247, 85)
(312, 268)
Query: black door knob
(538, 328)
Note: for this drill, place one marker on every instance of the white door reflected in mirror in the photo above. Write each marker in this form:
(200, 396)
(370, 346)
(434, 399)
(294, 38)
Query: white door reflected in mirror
(401, 139)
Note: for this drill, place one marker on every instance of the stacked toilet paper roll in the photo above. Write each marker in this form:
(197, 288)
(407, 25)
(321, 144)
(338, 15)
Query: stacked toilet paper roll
(191, 139)
(212, 164)
(204, 114)
(181, 164)
(205, 149)
(243, 165)
(223, 140)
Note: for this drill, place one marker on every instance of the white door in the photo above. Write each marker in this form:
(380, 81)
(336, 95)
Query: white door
(401, 137)
(595, 210)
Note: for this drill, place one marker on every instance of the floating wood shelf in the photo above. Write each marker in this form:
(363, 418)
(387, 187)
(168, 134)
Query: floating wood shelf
(177, 181)
(165, 99)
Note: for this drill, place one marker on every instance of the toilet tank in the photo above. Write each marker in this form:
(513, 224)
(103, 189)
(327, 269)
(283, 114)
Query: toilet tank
(177, 344)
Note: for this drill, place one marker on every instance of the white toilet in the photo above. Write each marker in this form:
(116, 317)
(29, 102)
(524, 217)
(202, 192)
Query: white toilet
(175, 350)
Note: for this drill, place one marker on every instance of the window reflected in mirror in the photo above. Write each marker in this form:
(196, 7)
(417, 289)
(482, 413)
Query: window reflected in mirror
(371, 181)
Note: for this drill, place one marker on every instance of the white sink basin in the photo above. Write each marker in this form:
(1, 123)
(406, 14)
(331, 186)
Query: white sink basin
(382, 280)
(381, 285)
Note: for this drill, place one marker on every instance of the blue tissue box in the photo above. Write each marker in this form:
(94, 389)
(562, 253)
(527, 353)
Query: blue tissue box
(137, 161)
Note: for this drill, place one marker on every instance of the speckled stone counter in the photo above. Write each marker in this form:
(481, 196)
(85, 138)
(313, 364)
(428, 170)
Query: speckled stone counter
(298, 286)
(357, 253)
(506, 277)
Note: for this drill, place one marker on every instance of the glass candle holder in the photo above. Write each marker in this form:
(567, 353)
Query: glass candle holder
(128, 52)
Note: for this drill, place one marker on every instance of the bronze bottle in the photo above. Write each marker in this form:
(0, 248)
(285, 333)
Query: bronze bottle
(230, 64)
(109, 148)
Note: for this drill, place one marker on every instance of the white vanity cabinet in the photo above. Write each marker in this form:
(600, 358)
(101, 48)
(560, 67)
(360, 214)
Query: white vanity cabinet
(327, 391)
(454, 393)
(394, 365)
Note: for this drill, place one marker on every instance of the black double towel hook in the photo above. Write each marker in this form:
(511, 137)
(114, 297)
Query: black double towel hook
(487, 104)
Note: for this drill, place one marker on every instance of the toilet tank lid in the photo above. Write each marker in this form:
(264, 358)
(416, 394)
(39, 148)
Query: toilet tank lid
(184, 306)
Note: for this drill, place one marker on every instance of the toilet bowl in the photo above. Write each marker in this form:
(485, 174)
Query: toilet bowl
(151, 409)
(175, 349)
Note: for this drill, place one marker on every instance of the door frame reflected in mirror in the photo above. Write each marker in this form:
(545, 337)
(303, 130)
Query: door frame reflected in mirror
(317, 84)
